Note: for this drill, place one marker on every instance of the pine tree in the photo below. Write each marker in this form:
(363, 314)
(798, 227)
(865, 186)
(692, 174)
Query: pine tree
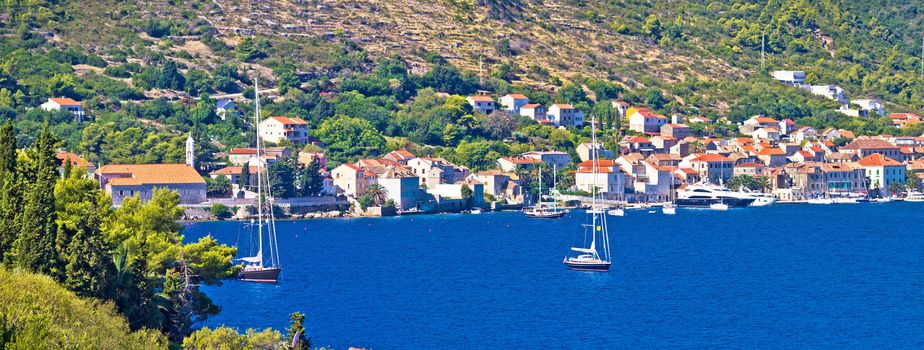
(296, 332)
(10, 199)
(34, 249)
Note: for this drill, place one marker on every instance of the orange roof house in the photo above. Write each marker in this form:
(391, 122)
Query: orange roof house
(129, 180)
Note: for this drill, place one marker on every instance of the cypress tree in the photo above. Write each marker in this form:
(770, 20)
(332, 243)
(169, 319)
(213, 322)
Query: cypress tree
(10, 199)
(34, 249)
(244, 180)
(89, 269)
(81, 244)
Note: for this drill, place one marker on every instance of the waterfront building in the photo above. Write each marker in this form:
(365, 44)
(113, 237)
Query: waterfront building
(609, 179)
(842, 178)
(352, 180)
(233, 173)
(882, 171)
(750, 169)
(429, 167)
(715, 168)
(401, 186)
(864, 147)
(121, 181)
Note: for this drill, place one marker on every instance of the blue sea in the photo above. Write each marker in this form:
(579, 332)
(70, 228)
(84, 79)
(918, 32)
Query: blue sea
(784, 276)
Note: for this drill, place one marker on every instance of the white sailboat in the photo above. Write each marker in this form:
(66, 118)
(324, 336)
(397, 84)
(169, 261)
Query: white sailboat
(589, 257)
(543, 210)
(669, 208)
(260, 268)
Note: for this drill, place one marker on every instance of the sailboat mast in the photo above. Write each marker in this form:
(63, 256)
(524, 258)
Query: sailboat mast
(595, 160)
(256, 123)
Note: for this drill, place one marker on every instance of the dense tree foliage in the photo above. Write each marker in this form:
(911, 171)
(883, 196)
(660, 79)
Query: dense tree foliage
(37, 313)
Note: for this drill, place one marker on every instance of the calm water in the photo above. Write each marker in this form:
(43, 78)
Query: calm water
(784, 276)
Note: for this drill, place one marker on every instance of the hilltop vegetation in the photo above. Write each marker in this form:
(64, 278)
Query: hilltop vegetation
(380, 63)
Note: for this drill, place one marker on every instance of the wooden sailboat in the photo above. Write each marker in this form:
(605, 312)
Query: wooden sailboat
(260, 268)
(592, 257)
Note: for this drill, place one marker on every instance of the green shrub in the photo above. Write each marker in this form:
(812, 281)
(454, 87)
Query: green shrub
(37, 313)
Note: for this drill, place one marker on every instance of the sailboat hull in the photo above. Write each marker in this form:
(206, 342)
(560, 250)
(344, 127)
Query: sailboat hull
(267, 275)
(587, 266)
(545, 215)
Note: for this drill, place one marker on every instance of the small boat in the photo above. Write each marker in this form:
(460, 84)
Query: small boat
(845, 200)
(543, 213)
(475, 211)
(669, 209)
(914, 197)
(881, 200)
(820, 201)
(590, 259)
(718, 206)
(617, 212)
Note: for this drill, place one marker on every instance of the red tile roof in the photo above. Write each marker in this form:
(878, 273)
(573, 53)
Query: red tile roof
(600, 163)
(771, 151)
(518, 96)
(749, 165)
(243, 151)
(878, 160)
(151, 174)
(74, 159)
(481, 98)
(289, 120)
(584, 170)
(530, 106)
(712, 158)
(64, 101)
(868, 143)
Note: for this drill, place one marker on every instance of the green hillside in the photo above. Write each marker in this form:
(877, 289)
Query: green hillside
(127, 61)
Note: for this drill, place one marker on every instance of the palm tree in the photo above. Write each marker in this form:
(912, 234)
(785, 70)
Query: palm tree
(377, 193)
(764, 183)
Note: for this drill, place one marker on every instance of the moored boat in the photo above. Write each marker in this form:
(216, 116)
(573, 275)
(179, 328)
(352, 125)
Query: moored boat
(590, 258)
(914, 197)
(260, 268)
